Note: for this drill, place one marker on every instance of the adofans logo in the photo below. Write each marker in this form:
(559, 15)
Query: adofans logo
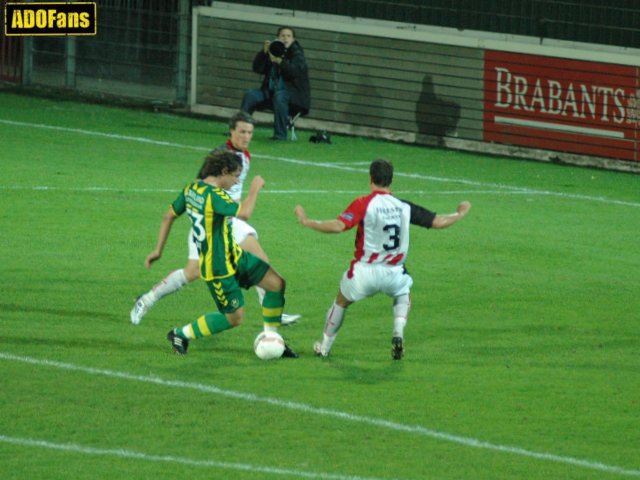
(33, 18)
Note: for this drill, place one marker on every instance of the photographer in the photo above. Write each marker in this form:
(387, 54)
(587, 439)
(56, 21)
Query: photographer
(285, 85)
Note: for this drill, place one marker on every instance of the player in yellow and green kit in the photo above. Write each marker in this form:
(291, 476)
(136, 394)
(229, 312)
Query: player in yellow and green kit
(224, 266)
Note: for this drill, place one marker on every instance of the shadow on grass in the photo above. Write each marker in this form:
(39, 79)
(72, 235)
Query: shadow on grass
(356, 372)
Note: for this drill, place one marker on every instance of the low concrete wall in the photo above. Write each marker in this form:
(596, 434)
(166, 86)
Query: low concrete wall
(424, 85)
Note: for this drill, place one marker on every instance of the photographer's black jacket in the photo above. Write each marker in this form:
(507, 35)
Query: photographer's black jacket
(294, 72)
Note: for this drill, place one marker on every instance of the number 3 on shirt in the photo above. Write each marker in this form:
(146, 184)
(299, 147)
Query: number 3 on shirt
(394, 237)
(197, 226)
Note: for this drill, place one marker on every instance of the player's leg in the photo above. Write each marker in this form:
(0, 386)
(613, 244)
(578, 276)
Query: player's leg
(357, 283)
(398, 287)
(274, 286)
(250, 244)
(173, 282)
(192, 270)
(332, 324)
(247, 237)
(401, 308)
(229, 300)
(227, 294)
(273, 303)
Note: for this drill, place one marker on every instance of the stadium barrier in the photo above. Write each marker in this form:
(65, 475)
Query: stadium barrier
(11, 54)
(139, 55)
(499, 93)
(561, 102)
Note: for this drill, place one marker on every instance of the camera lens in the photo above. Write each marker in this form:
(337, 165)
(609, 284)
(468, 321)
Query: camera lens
(277, 48)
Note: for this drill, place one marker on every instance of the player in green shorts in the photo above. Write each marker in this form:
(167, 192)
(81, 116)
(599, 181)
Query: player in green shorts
(224, 266)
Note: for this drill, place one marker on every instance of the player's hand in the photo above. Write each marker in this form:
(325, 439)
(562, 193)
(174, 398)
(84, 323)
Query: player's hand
(463, 208)
(152, 257)
(257, 183)
(300, 213)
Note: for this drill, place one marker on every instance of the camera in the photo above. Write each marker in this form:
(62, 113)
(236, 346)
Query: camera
(277, 48)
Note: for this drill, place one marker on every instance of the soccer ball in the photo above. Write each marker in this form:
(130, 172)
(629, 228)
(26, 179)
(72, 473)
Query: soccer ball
(268, 345)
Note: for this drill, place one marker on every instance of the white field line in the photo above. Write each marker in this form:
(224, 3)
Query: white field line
(335, 166)
(35, 188)
(352, 164)
(325, 192)
(326, 412)
(130, 454)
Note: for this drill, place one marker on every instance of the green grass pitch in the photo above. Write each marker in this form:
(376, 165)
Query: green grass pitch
(522, 361)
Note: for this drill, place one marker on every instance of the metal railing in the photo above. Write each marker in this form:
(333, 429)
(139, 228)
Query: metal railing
(142, 48)
(609, 23)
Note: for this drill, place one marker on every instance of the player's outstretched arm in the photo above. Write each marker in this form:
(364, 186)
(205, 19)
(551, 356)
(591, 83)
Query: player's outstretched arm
(324, 226)
(446, 220)
(249, 203)
(163, 235)
(419, 215)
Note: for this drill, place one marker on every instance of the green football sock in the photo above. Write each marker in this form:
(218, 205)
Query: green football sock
(272, 307)
(207, 324)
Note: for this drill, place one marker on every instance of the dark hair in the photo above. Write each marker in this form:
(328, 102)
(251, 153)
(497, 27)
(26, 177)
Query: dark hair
(381, 172)
(219, 163)
(284, 27)
(240, 117)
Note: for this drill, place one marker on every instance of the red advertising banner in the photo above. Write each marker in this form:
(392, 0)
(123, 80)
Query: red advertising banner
(566, 105)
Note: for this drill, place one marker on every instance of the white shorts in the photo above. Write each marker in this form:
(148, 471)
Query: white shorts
(367, 280)
(241, 230)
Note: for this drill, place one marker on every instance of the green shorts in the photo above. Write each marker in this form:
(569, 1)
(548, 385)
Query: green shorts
(227, 293)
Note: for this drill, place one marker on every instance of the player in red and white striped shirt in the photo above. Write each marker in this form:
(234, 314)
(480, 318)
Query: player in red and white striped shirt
(382, 246)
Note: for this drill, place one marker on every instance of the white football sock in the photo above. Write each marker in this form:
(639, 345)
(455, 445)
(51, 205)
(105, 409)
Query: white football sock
(171, 283)
(327, 343)
(333, 322)
(398, 326)
(401, 307)
(334, 319)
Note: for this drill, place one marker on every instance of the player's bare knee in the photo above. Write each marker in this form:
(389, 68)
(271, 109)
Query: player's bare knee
(342, 301)
(273, 282)
(192, 271)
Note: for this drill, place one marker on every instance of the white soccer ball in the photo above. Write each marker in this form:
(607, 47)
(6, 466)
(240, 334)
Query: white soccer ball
(268, 345)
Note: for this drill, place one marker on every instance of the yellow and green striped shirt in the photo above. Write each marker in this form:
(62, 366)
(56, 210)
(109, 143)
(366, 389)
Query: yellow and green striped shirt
(210, 210)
